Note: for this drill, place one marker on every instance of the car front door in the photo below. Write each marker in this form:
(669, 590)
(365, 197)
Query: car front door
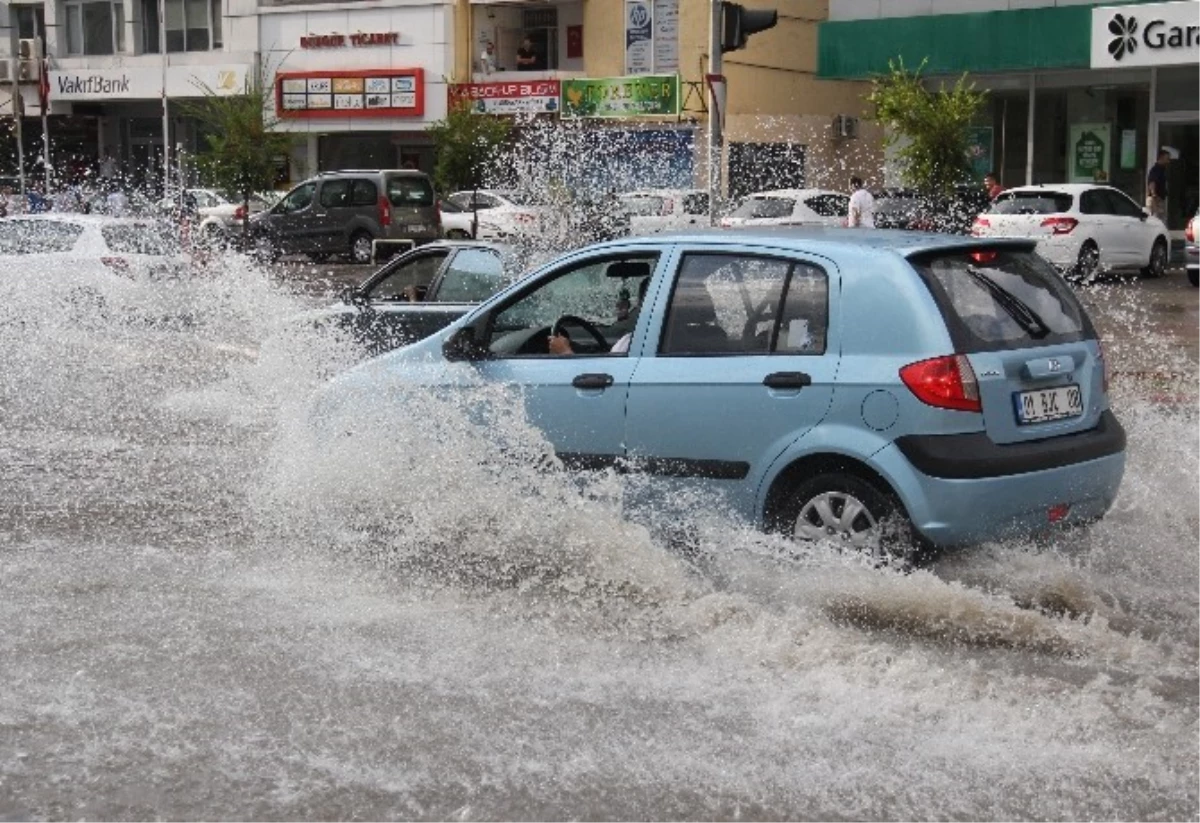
(384, 317)
(743, 366)
(290, 222)
(1139, 232)
(330, 216)
(577, 399)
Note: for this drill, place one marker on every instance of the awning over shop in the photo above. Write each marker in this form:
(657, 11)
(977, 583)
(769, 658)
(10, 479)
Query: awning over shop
(1052, 37)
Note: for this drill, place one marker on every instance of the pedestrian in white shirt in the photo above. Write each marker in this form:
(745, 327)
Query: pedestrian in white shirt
(862, 206)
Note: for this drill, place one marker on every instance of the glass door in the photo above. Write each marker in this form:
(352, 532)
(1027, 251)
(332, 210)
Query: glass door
(1179, 133)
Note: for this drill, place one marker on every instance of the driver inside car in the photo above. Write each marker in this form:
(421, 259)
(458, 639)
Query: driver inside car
(560, 344)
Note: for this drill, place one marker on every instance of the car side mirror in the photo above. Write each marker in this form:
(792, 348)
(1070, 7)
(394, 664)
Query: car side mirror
(462, 345)
(352, 297)
(1145, 214)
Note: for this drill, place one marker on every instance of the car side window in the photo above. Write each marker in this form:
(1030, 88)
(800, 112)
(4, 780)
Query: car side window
(597, 292)
(485, 201)
(364, 193)
(463, 201)
(335, 194)
(695, 203)
(37, 236)
(416, 271)
(1094, 201)
(472, 276)
(731, 304)
(829, 205)
(300, 198)
(1122, 205)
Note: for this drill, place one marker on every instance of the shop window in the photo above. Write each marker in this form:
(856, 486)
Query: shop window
(192, 25)
(95, 27)
(31, 22)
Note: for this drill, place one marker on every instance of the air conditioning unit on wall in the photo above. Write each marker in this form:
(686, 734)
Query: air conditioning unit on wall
(845, 127)
(29, 59)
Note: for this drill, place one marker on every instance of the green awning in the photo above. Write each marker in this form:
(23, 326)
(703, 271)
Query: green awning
(1052, 37)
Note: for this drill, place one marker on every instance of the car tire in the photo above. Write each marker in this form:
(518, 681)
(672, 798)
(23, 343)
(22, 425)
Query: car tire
(817, 507)
(1158, 260)
(1087, 266)
(362, 248)
(1194, 277)
(458, 234)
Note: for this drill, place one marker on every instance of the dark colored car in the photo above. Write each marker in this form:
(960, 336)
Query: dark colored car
(908, 209)
(421, 292)
(360, 214)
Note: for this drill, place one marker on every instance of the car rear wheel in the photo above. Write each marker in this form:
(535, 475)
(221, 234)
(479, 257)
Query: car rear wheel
(1158, 260)
(1088, 264)
(361, 248)
(850, 512)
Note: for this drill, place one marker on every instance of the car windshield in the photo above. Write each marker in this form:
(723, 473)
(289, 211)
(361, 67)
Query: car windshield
(37, 236)
(141, 238)
(1002, 299)
(765, 207)
(1031, 202)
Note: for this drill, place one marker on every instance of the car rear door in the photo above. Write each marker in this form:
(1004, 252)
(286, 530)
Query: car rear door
(1108, 230)
(1033, 350)
(742, 365)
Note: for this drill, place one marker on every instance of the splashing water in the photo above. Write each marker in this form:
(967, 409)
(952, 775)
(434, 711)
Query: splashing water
(210, 613)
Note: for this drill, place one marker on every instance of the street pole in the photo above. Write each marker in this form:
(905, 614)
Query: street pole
(714, 114)
(166, 135)
(18, 107)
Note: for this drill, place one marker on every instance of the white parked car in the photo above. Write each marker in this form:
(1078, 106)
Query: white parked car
(657, 210)
(790, 207)
(457, 222)
(1081, 228)
(502, 214)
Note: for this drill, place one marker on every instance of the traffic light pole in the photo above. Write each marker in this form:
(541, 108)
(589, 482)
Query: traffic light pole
(714, 113)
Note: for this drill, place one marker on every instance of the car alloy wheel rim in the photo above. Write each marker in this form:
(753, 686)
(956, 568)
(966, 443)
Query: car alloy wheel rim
(839, 517)
(362, 250)
(1159, 264)
(1089, 261)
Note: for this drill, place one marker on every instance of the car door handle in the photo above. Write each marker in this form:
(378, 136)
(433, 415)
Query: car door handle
(592, 381)
(787, 380)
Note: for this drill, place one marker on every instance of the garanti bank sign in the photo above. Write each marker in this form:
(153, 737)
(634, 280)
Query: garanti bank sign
(1146, 34)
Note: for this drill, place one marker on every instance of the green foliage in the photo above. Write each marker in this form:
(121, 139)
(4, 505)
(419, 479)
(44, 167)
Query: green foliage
(466, 145)
(243, 149)
(931, 128)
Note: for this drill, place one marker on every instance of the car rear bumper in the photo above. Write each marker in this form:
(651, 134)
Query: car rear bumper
(993, 492)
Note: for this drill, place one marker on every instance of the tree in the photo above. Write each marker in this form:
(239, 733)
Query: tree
(466, 144)
(931, 127)
(243, 147)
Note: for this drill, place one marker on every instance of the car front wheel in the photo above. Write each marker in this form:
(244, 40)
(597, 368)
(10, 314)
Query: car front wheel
(1158, 260)
(849, 512)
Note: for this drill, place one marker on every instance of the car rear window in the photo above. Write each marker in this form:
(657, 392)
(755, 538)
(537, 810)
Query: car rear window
(141, 238)
(1031, 202)
(765, 207)
(409, 191)
(37, 236)
(1002, 299)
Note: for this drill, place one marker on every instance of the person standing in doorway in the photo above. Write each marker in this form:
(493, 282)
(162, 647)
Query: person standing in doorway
(991, 185)
(527, 57)
(862, 206)
(1156, 186)
(108, 166)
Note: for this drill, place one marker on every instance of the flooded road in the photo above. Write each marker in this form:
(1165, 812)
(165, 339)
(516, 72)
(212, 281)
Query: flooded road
(201, 619)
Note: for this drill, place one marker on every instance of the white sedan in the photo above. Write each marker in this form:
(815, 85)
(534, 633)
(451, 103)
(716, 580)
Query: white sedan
(652, 211)
(1081, 228)
(502, 213)
(790, 207)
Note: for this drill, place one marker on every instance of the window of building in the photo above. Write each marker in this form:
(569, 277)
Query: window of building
(95, 27)
(31, 22)
(192, 25)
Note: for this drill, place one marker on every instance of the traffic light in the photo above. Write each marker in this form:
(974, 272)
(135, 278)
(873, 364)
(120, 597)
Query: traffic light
(737, 24)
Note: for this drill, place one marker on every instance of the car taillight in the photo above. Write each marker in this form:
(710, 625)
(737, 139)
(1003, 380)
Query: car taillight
(522, 217)
(1060, 225)
(980, 223)
(1189, 233)
(1103, 364)
(385, 211)
(239, 213)
(945, 382)
(668, 207)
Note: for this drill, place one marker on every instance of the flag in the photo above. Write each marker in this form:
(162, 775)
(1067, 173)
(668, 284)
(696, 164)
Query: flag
(44, 85)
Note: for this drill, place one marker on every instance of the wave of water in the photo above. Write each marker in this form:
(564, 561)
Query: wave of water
(210, 614)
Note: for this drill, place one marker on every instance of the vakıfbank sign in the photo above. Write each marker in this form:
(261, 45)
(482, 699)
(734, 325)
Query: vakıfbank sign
(1146, 34)
(145, 83)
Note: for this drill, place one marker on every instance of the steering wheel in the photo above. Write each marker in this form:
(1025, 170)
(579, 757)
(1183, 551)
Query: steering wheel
(572, 320)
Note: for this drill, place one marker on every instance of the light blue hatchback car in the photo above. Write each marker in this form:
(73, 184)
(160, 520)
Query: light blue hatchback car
(825, 383)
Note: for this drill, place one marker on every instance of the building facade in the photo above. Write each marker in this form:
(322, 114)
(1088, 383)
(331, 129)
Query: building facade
(1078, 90)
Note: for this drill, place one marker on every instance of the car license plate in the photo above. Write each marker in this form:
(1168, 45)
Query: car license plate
(415, 227)
(1048, 404)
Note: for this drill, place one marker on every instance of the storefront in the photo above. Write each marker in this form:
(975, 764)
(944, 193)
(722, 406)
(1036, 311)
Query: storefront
(120, 110)
(1076, 93)
(361, 85)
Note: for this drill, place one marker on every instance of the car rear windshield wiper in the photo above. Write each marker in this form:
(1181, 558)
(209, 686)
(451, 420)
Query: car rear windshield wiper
(1017, 309)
